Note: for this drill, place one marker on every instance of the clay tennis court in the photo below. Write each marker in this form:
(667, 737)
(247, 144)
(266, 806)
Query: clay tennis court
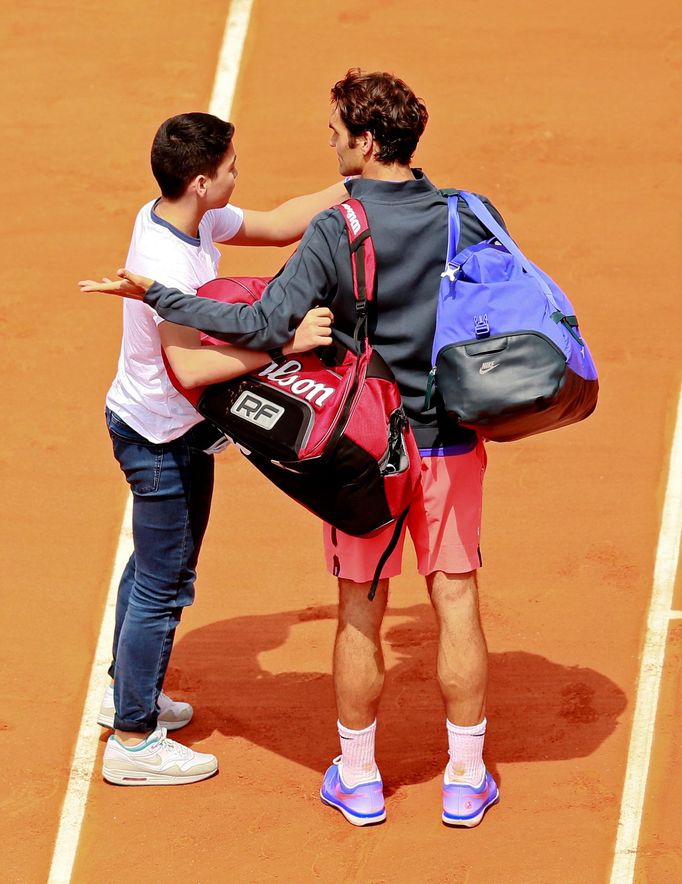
(565, 117)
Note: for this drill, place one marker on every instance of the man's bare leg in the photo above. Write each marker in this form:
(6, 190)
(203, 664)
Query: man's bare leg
(358, 657)
(468, 789)
(462, 649)
(462, 673)
(358, 682)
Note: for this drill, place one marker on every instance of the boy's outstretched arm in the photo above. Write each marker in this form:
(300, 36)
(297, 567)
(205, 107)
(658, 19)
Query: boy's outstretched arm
(307, 281)
(287, 223)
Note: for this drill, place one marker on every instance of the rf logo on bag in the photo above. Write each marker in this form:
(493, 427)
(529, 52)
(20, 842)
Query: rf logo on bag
(256, 410)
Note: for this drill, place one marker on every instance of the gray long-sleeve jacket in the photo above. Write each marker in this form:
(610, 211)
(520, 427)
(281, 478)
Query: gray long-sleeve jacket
(408, 221)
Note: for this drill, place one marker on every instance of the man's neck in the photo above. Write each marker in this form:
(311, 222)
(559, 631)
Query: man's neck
(382, 172)
(183, 214)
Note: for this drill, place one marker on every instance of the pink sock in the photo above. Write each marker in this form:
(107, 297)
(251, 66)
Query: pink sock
(465, 746)
(357, 754)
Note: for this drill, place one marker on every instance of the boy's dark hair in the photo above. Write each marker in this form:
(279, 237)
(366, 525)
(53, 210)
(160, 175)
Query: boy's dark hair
(385, 106)
(186, 146)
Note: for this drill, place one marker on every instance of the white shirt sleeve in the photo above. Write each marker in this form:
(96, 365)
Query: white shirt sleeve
(223, 223)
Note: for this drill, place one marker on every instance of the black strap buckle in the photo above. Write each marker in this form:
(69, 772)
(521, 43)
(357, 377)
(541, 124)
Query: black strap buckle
(277, 356)
(358, 241)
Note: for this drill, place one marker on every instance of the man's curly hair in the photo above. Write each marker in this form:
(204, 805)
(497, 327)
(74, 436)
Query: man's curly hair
(385, 106)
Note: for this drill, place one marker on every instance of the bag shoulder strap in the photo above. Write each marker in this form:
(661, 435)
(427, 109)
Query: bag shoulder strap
(485, 217)
(363, 259)
(453, 232)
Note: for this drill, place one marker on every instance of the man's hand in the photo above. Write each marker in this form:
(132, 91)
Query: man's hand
(129, 285)
(315, 330)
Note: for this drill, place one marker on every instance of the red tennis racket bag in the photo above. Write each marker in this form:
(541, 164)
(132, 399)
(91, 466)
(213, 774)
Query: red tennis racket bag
(327, 426)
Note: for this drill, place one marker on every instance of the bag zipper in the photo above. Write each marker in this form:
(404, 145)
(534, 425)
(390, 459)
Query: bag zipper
(397, 421)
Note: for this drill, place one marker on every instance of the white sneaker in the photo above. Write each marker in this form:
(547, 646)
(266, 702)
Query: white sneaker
(157, 761)
(172, 714)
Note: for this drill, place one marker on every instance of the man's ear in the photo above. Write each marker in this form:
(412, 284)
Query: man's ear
(367, 144)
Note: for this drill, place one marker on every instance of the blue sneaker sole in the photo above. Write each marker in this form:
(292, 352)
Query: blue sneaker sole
(351, 817)
(470, 822)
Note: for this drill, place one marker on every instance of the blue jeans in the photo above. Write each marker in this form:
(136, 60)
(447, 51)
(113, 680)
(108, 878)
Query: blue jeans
(172, 485)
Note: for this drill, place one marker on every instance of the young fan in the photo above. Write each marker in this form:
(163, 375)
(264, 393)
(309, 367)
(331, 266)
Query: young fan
(162, 444)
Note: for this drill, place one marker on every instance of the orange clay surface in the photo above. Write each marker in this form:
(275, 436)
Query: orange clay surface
(563, 114)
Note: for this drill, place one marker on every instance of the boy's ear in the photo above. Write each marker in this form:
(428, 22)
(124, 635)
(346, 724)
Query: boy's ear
(199, 185)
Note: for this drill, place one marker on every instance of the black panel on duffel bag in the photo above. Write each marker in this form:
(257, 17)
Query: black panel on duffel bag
(500, 375)
(520, 384)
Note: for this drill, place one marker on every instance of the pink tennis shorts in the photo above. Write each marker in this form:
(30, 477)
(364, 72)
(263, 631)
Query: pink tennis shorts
(444, 522)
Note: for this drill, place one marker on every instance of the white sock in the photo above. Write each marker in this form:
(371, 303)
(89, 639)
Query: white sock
(357, 755)
(465, 746)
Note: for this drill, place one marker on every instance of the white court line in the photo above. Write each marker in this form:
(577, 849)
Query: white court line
(229, 60)
(89, 733)
(651, 669)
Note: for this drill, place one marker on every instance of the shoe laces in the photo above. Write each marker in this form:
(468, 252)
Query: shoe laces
(165, 743)
(178, 748)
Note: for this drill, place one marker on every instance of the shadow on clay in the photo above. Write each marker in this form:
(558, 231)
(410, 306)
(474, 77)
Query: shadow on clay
(537, 710)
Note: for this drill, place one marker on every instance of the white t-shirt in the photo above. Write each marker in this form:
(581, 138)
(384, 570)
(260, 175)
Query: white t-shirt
(141, 393)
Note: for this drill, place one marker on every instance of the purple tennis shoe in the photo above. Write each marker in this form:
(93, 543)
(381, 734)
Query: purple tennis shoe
(363, 805)
(465, 805)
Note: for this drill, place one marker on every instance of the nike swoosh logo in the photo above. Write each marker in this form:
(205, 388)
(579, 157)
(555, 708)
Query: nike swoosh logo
(153, 760)
(484, 369)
